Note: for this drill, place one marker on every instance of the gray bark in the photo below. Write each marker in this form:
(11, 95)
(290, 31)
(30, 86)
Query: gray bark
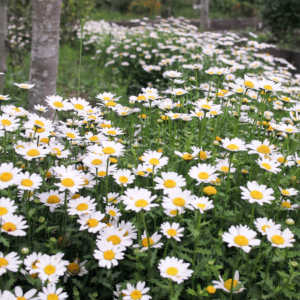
(44, 52)
(205, 23)
(3, 30)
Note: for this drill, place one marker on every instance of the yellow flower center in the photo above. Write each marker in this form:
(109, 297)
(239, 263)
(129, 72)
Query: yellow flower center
(3, 262)
(141, 203)
(110, 103)
(266, 166)
(210, 190)
(106, 98)
(33, 153)
(249, 84)
(48, 175)
(228, 283)
(199, 114)
(8, 226)
(123, 179)
(109, 255)
(268, 87)
(113, 160)
(256, 195)
(225, 169)
(92, 223)
(58, 104)
(140, 98)
(210, 289)
(241, 240)
(233, 147)
(52, 297)
(206, 106)
(286, 204)
(112, 213)
(6, 176)
(201, 205)
(264, 227)
(96, 162)
(172, 232)
(145, 242)
(179, 202)
(263, 149)
(172, 271)
(44, 140)
(285, 192)
(239, 90)
(136, 295)
(68, 182)
(27, 182)
(114, 239)
(39, 123)
(281, 160)
(53, 199)
(6, 122)
(79, 106)
(3, 211)
(112, 132)
(21, 298)
(169, 183)
(73, 268)
(154, 161)
(187, 156)
(71, 135)
(108, 150)
(86, 182)
(49, 270)
(203, 175)
(101, 173)
(82, 207)
(93, 138)
(277, 239)
(141, 173)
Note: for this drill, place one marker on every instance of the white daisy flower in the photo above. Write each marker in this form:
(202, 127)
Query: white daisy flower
(7, 207)
(30, 182)
(170, 181)
(155, 159)
(27, 296)
(80, 104)
(241, 237)
(172, 231)
(24, 86)
(261, 148)
(199, 153)
(9, 123)
(13, 225)
(175, 269)
(202, 204)
(203, 173)
(288, 192)
(51, 293)
(226, 286)
(108, 254)
(116, 236)
(223, 166)
(9, 262)
(9, 175)
(32, 151)
(256, 193)
(92, 222)
(280, 239)
(171, 212)
(50, 268)
(81, 205)
(130, 229)
(269, 165)
(123, 177)
(113, 198)
(234, 145)
(70, 181)
(280, 158)
(153, 241)
(136, 292)
(113, 212)
(287, 205)
(178, 199)
(262, 224)
(52, 199)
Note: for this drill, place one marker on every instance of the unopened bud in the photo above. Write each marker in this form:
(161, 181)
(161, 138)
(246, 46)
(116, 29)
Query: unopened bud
(216, 143)
(289, 222)
(53, 240)
(210, 262)
(24, 250)
(294, 264)
(41, 219)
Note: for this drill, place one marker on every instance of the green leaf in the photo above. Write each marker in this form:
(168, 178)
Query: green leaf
(192, 292)
(4, 241)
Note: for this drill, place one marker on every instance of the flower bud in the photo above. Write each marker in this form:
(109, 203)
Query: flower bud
(210, 262)
(76, 293)
(160, 121)
(135, 145)
(294, 264)
(41, 220)
(210, 289)
(130, 166)
(24, 250)
(53, 240)
(37, 201)
(233, 100)
(216, 143)
(19, 163)
(136, 251)
(289, 222)
(95, 295)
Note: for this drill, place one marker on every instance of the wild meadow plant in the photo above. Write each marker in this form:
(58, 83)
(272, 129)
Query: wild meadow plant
(185, 193)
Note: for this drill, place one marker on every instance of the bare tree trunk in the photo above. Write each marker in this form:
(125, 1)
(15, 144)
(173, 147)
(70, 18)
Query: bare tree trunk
(3, 30)
(205, 24)
(44, 52)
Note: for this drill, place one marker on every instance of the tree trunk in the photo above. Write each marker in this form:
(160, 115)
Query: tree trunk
(44, 52)
(3, 30)
(205, 24)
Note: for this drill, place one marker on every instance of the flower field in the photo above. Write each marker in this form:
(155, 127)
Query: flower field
(187, 188)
